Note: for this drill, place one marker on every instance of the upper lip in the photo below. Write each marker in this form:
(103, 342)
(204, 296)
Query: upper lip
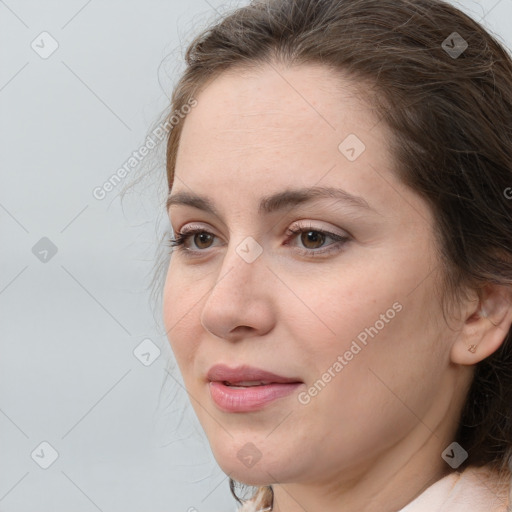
(223, 373)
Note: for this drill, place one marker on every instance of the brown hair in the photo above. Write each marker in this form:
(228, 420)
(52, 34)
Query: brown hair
(451, 119)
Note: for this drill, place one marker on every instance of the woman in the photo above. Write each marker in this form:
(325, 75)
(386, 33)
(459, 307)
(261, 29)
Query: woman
(339, 297)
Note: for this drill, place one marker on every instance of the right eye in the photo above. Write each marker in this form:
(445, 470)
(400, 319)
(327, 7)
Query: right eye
(182, 237)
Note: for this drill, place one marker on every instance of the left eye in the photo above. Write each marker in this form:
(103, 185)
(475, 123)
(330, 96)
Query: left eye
(309, 235)
(316, 237)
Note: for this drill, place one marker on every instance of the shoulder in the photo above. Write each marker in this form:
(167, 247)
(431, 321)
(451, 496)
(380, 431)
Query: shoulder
(476, 489)
(483, 489)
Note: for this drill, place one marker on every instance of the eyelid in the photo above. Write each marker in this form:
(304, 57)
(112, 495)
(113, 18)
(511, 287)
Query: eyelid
(308, 224)
(188, 232)
(294, 227)
(302, 224)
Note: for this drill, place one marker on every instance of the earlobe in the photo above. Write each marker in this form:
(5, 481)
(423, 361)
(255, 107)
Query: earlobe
(485, 327)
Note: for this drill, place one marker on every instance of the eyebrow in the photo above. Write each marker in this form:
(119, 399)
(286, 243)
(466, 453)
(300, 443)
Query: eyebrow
(275, 202)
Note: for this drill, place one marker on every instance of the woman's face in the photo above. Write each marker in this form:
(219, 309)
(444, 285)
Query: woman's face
(354, 324)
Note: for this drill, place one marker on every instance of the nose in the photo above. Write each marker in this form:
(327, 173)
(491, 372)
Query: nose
(240, 303)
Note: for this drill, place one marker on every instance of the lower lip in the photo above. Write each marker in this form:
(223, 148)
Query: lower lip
(249, 399)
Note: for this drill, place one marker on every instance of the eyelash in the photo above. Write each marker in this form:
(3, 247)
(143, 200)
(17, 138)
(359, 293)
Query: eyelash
(182, 237)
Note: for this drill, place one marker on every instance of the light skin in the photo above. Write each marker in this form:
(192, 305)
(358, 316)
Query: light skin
(372, 439)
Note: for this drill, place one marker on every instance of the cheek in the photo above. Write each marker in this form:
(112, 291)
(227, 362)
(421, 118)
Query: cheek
(364, 334)
(384, 297)
(376, 395)
(180, 312)
(350, 305)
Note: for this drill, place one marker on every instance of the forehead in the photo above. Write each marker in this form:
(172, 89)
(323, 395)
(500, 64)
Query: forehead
(276, 127)
(274, 101)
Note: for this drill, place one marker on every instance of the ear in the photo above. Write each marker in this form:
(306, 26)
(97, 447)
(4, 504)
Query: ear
(486, 325)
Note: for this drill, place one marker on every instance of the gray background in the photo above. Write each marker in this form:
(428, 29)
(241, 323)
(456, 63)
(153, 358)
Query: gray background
(126, 438)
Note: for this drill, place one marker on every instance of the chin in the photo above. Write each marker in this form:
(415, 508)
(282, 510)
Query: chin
(255, 476)
(252, 478)
(249, 465)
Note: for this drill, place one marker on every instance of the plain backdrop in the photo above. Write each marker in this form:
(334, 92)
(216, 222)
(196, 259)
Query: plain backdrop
(89, 417)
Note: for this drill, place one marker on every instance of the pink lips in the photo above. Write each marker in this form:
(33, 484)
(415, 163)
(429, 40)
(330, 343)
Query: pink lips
(246, 389)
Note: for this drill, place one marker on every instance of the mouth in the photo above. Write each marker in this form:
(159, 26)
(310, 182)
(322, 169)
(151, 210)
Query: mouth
(247, 384)
(247, 389)
(246, 376)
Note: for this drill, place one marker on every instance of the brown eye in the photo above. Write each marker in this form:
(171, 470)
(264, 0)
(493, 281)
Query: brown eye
(311, 241)
(315, 238)
(202, 238)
